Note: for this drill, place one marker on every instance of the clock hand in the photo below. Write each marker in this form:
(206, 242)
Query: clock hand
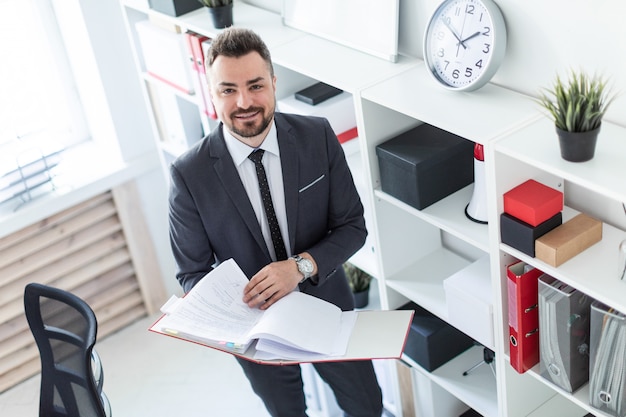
(449, 26)
(470, 37)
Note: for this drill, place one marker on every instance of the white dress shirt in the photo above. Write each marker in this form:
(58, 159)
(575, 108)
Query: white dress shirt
(271, 162)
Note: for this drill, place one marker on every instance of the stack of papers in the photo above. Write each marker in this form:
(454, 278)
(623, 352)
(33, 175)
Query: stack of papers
(297, 328)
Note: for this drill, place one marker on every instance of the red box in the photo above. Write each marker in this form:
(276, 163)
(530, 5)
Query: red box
(533, 202)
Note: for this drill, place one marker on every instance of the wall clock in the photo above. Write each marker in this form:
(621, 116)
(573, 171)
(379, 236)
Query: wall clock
(464, 43)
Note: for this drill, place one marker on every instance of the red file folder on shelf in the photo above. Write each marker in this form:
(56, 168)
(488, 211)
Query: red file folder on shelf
(201, 51)
(523, 315)
(196, 58)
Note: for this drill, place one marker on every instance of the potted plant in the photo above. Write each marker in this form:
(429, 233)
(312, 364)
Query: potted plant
(221, 12)
(359, 282)
(577, 106)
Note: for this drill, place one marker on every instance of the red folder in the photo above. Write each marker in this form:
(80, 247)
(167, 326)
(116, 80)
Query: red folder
(523, 315)
(196, 58)
(347, 135)
(201, 50)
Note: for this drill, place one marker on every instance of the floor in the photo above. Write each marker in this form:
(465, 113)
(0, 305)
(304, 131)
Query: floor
(147, 374)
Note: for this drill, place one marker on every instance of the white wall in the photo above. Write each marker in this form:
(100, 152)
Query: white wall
(545, 38)
(271, 5)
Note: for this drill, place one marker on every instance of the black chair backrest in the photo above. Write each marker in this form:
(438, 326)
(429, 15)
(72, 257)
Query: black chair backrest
(64, 328)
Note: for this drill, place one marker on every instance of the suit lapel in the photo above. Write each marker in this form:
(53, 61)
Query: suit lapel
(289, 163)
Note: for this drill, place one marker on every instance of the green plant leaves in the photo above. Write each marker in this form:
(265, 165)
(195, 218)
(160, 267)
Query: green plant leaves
(357, 279)
(578, 104)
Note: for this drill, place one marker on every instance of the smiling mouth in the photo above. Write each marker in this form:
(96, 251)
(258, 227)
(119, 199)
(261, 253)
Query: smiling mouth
(247, 114)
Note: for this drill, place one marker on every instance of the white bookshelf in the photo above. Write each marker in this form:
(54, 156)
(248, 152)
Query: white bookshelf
(410, 252)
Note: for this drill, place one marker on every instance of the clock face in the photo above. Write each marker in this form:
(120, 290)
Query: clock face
(464, 43)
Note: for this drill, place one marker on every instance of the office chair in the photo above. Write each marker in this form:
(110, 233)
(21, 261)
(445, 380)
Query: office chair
(64, 328)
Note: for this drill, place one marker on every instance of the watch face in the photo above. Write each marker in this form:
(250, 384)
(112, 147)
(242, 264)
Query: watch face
(306, 266)
(464, 43)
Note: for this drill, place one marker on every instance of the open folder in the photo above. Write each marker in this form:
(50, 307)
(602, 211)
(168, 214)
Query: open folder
(298, 328)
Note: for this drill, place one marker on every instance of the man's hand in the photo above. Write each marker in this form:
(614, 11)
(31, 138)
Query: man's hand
(271, 283)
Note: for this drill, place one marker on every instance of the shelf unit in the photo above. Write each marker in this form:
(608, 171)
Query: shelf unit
(594, 187)
(410, 252)
(418, 249)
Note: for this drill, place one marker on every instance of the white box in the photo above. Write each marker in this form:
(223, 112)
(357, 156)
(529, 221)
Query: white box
(470, 301)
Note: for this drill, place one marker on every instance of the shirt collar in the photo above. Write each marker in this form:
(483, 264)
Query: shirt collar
(239, 151)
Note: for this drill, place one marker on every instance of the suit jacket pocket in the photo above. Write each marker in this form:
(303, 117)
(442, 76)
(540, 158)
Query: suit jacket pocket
(312, 183)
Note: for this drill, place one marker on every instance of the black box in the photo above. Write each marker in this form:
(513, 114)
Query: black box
(521, 235)
(175, 7)
(317, 93)
(431, 341)
(425, 164)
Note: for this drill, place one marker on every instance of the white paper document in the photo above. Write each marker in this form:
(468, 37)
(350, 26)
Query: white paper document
(296, 326)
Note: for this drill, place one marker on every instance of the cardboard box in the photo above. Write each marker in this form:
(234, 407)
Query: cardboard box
(424, 165)
(521, 235)
(431, 341)
(533, 202)
(470, 301)
(563, 333)
(568, 240)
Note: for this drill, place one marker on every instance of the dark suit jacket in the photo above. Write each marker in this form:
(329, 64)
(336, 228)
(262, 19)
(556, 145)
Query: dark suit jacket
(212, 220)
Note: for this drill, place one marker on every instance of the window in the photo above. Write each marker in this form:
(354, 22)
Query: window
(39, 104)
(42, 118)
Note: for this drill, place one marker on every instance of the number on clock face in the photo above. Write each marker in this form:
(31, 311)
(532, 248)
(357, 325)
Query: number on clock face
(459, 43)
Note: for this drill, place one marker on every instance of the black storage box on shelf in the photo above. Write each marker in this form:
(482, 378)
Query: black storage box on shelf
(431, 341)
(521, 235)
(317, 93)
(424, 165)
(174, 7)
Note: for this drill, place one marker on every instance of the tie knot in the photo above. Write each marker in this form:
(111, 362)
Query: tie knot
(256, 156)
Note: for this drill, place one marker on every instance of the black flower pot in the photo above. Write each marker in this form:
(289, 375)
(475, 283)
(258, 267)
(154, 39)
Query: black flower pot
(222, 16)
(361, 298)
(578, 146)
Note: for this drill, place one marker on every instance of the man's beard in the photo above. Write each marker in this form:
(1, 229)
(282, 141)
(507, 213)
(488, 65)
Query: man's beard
(250, 129)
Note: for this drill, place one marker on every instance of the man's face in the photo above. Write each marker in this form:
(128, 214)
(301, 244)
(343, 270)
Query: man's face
(243, 93)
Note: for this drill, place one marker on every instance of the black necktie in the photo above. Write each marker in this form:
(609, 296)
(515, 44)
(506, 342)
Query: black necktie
(277, 238)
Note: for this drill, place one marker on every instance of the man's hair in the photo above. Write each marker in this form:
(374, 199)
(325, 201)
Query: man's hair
(236, 42)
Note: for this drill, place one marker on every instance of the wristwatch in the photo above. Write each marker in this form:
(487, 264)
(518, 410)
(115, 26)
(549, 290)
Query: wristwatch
(305, 267)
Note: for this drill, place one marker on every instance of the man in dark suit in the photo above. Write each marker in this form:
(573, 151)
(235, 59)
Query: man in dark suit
(217, 212)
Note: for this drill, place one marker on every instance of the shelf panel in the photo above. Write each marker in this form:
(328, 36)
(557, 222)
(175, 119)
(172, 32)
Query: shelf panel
(537, 145)
(580, 397)
(422, 282)
(191, 98)
(559, 406)
(139, 5)
(477, 389)
(594, 271)
(448, 214)
(479, 116)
